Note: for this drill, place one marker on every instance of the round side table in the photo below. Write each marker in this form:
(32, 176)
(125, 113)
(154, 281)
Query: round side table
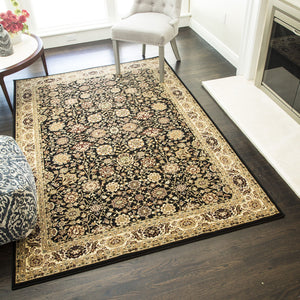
(25, 53)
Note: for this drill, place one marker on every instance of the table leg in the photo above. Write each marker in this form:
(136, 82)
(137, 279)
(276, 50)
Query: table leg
(2, 83)
(44, 63)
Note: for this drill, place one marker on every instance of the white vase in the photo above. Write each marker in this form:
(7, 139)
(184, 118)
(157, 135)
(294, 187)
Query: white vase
(16, 37)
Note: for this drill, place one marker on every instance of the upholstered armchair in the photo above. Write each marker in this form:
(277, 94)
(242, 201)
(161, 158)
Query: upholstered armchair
(150, 22)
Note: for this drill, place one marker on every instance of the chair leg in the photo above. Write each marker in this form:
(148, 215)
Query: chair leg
(161, 63)
(117, 56)
(175, 49)
(144, 50)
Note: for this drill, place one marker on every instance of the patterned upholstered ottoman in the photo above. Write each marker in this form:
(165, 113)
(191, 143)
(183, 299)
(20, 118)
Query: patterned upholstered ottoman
(18, 201)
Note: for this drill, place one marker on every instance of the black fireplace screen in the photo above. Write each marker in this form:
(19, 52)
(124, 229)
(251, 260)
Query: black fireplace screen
(282, 68)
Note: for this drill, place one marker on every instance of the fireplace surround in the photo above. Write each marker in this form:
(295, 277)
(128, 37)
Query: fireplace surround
(278, 71)
(274, 133)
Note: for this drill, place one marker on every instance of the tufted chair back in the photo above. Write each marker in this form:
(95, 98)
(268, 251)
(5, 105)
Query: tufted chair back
(170, 8)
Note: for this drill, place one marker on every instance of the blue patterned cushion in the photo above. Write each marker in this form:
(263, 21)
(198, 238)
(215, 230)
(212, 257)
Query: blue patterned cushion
(18, 200)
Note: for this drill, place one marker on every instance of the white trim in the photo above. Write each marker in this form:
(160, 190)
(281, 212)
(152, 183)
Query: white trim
(226, 52)
(256, 12)
(89, 34)
(77, 37)
(185, 20)
(248, 38)
(69, 30)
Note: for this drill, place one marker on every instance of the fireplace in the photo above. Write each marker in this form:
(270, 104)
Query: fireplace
(279, 65)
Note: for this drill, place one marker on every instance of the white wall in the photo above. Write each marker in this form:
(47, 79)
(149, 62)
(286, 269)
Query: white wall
(221, 23)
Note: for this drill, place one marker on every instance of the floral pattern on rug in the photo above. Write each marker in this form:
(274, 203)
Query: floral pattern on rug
(124, 164)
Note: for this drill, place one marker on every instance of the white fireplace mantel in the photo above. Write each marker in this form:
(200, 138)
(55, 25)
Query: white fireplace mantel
(257, 18)
(252, 37)
(274, 133)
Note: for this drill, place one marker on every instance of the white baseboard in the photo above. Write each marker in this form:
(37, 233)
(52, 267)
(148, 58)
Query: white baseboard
(77, 37)
(90, 35)
(185, 20)
(227, 53)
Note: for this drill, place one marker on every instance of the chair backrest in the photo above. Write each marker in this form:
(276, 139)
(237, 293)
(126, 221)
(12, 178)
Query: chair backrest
(170, 8)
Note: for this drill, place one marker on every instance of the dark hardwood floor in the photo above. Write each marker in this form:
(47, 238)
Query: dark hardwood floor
(259, 262)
